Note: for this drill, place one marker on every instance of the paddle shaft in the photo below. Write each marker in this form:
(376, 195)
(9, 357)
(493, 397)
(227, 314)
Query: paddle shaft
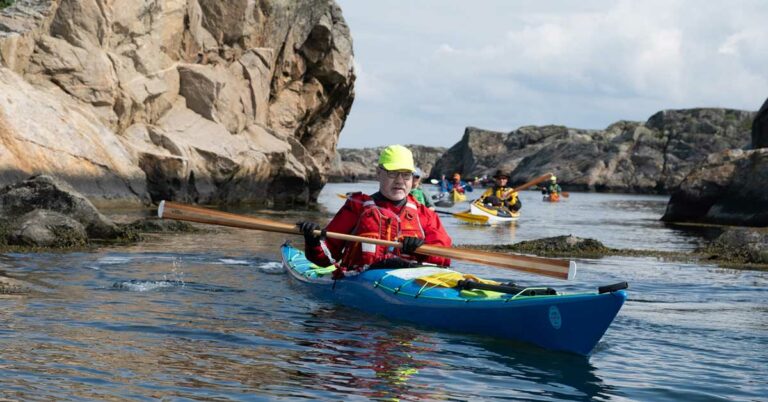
(561, 269)
(534, 182)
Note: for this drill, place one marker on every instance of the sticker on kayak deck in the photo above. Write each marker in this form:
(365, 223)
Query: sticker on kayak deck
(413, 273)
(554, 317)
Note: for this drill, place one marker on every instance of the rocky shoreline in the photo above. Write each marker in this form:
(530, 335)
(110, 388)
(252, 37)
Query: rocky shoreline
(713, 162)
(737, 248)
(44, 214)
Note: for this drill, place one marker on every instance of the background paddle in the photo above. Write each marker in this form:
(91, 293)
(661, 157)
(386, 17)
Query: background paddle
(561, 269)
(465, 216)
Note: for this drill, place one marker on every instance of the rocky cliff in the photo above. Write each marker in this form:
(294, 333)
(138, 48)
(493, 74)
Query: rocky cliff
(353, 164)
(650, 157)
(760, 128)
(728, 187)
(192, 100)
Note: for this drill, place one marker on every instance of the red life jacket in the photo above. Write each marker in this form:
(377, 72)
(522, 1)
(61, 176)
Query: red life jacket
(457, 186)
(380, 223)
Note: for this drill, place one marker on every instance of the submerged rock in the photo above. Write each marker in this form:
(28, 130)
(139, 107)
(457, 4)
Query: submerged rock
(155, 225)
(739, 245)
(44, 211)
(10, 286)
(570, 246)
(44, 192)
(42, 228)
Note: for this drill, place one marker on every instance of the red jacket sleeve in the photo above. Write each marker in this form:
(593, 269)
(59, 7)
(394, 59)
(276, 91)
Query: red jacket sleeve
(344, 222)
(435, 235)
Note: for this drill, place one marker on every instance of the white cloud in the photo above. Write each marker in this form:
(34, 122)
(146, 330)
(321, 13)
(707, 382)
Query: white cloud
(503, 64)
(369, 86)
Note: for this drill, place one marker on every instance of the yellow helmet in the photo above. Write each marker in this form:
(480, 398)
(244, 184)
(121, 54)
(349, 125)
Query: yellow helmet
(553, 178)
(396, 157)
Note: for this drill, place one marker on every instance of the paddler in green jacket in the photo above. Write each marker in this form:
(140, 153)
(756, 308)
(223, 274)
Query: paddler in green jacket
(418, 193)
(552, 189)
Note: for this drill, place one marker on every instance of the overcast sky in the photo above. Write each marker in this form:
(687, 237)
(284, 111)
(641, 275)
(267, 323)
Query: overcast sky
(426, 69)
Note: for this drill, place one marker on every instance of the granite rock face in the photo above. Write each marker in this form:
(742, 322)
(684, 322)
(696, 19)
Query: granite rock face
(650, 157)
(190, 100)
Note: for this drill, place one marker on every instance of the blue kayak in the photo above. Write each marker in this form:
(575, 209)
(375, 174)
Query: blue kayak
(424, 295)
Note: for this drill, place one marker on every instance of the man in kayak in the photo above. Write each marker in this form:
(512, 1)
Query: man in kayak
(500, 195)
(418, 192)
(389, 214)
(553, 189)
(456, 184)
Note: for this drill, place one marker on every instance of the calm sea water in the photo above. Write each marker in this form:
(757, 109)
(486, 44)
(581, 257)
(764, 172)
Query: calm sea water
(212, 317)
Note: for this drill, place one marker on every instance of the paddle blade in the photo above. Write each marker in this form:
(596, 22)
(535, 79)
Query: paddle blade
(342, 196)
(472, 218)
(565, 194)
(434, 181)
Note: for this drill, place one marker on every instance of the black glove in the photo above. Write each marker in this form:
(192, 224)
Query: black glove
(308, 229)
(410, 244)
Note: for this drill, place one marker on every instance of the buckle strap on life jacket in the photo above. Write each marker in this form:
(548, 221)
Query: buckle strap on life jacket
(324, 246)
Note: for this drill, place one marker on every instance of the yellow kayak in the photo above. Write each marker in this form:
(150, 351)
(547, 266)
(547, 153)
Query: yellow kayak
(494, 214)
(457, 196)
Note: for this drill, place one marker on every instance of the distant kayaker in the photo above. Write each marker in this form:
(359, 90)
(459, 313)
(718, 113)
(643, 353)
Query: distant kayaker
(501, 195)
(418, 192)
(389, 214)
(443, 183)
(552, 189)
(455, 184)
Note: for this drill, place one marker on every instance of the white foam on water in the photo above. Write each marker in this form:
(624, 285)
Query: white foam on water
(147, 286)
(272, 267)
(231, 261)
(114, 260)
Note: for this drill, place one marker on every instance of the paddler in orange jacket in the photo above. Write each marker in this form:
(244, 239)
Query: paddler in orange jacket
(389, 214)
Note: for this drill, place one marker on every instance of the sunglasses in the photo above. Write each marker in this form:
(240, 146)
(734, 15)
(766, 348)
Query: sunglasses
(393, 174)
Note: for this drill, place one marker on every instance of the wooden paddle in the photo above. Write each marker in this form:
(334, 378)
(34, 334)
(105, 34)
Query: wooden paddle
(561, 269)
(531, 183)
(466, 216)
